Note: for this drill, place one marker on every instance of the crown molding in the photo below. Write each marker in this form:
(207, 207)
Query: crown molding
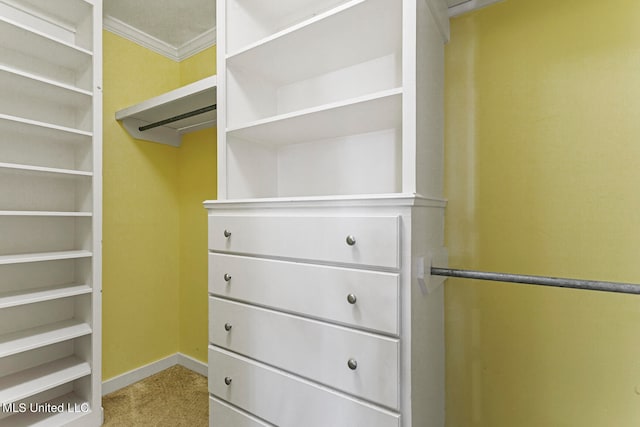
(197, 44)
(125, 30)
(468, 6)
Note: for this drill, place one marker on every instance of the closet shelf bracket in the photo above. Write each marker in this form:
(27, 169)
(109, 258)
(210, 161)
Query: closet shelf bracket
(165, 118)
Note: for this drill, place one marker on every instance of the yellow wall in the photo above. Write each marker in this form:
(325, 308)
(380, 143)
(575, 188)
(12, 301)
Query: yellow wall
(198, 66)
(140, 268)
(197, 182)
(148, 294)
(542, 173)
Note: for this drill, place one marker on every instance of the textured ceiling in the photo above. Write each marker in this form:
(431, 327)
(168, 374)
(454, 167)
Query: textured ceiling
(175, 22)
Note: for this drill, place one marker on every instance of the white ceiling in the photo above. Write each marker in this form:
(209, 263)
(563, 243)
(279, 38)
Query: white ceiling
(175, 22)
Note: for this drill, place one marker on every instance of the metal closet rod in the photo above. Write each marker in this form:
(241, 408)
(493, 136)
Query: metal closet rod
(591, 285)
(178, 117)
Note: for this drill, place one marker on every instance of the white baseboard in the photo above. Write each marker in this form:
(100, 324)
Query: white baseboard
(193, 364)
(135, 375)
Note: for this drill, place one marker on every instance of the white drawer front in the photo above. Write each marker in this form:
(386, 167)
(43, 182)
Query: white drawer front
(309, 348)
(310, 290)
(285, 400)
(223, 415)
(313, 238)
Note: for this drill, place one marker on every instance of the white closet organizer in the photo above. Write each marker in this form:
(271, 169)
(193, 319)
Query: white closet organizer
(50, 212)
(174, 109)
(330, 141)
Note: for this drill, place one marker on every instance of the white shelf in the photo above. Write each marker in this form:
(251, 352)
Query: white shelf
(28, 419)
(43, 46)
(43, 256)
(31, 296)
(360, 115)
(294, 54)
(25, 94)
(267, 18)
(188, 98)
(32, 381)
(70, 14)
(43, 170)
(45, 130)
(45, 213)
(18, 342)
(42, 88)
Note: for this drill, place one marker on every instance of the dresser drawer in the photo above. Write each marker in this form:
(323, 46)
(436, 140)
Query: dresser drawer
(222, 414)
(287, 401)
(315, 350)
(310, 290)
(373, 241)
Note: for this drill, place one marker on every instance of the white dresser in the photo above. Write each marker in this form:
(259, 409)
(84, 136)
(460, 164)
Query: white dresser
(312, 307)
(330, 211)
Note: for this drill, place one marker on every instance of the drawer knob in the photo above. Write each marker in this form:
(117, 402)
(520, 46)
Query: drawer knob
(227, 233)
(227, 380)
(351, 240)
(352, 364)
(351, 299)
(227, 277)
(228, 326)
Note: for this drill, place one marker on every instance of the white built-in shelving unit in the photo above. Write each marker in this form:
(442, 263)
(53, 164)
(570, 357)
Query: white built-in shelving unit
(330, 210)
(171, 105)
(50, 212)
(327, 89)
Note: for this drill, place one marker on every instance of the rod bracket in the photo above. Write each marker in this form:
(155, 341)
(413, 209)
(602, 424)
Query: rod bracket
(427, 282)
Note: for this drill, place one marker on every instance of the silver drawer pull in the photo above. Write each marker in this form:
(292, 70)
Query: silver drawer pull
(227, 380)
(228, 326)
(352, 364)
(227, 233)
(227, 277)
(351, 240)
(351, 299)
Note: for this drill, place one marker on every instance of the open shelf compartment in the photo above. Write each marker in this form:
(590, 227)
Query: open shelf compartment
(40, 336)
(47, 277)
(249, 21)
(43, 46)
(27, 383)
(324, 60)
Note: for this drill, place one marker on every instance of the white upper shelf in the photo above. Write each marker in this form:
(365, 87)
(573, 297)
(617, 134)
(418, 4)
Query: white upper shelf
(177, 102)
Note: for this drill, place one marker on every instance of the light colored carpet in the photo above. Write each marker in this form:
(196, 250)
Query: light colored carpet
(174, 397)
